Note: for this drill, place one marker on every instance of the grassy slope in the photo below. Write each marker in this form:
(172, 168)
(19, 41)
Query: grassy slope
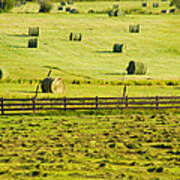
(157, 45)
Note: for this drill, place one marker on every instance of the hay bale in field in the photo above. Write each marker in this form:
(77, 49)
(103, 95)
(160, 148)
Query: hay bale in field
(172, 10)
(32, 43)
(116, 13)
(111, 13)
(53, 85)
(70, 2)
(3, 73)
(137, 68)
(68, 9)
(144, 4)
(115, 6)
(155, 5)
(33, 31)
(118, 48)
(134, 28)
(75, 11)
(60, 8)
(164, 11)
(75, 37)
(63, 3)
(91, 11)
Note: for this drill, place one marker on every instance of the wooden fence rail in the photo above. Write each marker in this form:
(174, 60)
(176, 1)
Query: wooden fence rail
(9, 106)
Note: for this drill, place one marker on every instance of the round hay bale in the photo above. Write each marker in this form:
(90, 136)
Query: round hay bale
(115, 6)
(91, 11)
(164, 11)
(78, 37)
(118, 48)
(137, 68)
(33, 31)
(60, 8)
(70, 2)
(74, 11)
(144, 4)
(3, 73)
(53, 85)
(75, 37)
(134, 28)
(111, 13)
(116, 13)
(172, 10)
(63, 3)
(155, 5)
(68, 9)
(32, 43)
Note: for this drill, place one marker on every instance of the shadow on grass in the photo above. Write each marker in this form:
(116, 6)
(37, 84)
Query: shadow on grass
(114, 74)
(22, 47)
(105, 52)
(24, 91)
(18, 35)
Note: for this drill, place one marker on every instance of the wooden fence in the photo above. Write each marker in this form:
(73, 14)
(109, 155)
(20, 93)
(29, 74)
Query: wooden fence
(12, 106)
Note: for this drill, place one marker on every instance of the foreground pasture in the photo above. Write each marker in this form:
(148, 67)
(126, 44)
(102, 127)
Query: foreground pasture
(116, 145)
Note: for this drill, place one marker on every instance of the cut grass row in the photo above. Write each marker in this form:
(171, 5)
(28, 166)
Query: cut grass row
(124, 145)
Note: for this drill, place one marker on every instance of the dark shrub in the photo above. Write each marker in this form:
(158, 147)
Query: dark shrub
(7, 5)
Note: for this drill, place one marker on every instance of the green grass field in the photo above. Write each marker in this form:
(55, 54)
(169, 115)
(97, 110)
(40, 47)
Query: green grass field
(123, 145)
(157, 45)
(131, 145)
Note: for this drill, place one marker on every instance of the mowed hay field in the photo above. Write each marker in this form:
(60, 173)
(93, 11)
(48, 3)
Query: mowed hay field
(157, 45)
(123, 145)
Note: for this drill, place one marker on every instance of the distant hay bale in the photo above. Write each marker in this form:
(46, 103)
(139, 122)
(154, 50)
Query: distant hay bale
(137, 68)
(60, 8)
(70, 2)
(118, 48)
(91, 11)
(164, 11)
(3, 73)
(33, 31)
(172, 10)
(75, 36)
(68, 9)
(116, 13)
(115, 6)
(32, 43)
(155, 5)
(74, 11)
(63, 3)
(53, 85)
(111, 13)
(144, 4)
(134, 28)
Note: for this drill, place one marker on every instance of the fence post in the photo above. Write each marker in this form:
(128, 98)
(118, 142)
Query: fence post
(96, 102)
(157, 102)
(65, 103)
(34, 105)
(126, 102)
(2, 106)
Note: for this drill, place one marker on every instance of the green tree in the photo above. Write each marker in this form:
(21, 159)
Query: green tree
(6, 5)
(177, 3)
